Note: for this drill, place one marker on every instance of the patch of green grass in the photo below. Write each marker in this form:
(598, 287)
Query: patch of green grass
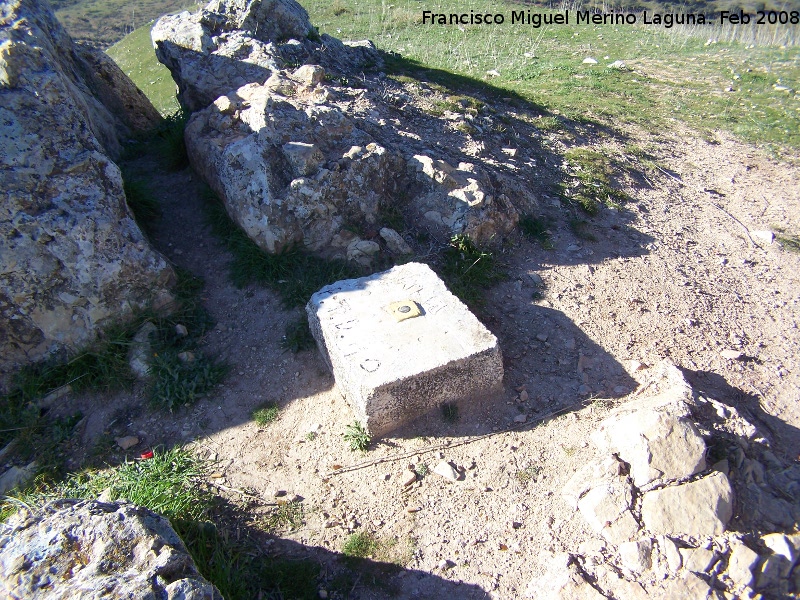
(469, 270)
(178, 381)
(287, 515)
(360, 545)
(298, 336)
(592, 186)
(789, 242)
(265, 414)
(357, 437)
(170, 144)
(449, 412)
(295, 274)
(422, 469)
(141, 201)
(536, 230)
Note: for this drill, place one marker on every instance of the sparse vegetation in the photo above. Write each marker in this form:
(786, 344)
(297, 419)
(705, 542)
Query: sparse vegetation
(287, 515)
(536, 230)
(181, 378)
(357, 437)
(469, 270)
(450, 412)
(591, 186)
(298, 336)
(360, 545)
(266, 414)
(789, 241)
(582, 229)
(141, 201)
(170, 144)
(528, 474)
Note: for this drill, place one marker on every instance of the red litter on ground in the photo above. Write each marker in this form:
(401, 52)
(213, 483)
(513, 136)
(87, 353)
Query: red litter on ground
(146, 455)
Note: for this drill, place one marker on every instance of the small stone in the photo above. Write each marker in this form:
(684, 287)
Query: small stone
(277, 493)
(542, 337)
(617, 64)
(635, 556)
(181, 331)
(493, 73)
(444, 565)
(520, 419)
(781, 546)
(573, 248)
(741, 563)
(731, 354)
(763, 236)
(446, 470)
(322, 594)
(186, 357)
(523, 396)
(697, 560)
(589, 61)
(413, 509)
(395, 242)
(129, 441)
(536, 278)
(408, 477)
(671, 553)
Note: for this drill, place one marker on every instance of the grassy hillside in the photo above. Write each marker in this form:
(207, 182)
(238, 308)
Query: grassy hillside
(747, 87)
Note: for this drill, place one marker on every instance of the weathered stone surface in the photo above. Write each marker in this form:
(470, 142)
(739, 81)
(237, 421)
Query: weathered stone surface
(16, 477)
(657, 445)
(562, 581)
(604, 499)
(392, 368)
(268, 156)
(96, 550)
(229, 44)
(741, 562)
(686, 587)
(699, 508)
(446, 470)
(394, 241)
(636, 556)
(71, 256)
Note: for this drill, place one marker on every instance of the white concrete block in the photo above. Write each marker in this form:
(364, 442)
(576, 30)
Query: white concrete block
(399, 344)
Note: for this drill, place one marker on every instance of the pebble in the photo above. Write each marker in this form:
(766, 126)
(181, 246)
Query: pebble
(542, 337)
(589, 61)
(520, 419)
(573, 248)
(731, 354)
(536, 278)
(129, 441)
(413, 509)
(181, 331)
(278, 493)
(408, 477)
(446, 470)
(523, 396)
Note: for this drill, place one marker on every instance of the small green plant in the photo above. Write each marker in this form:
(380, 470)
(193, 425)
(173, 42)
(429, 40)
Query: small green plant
(450, 412)
(265, 414)
(536, 229)
(422, 469)
(357, 437)
(591, 172)
(298, 336)
(360, 545)
(170, 144)
(469, 270)
(287, 515)
(178, 381)
(528, 474)
(789, 242)
(311, 436)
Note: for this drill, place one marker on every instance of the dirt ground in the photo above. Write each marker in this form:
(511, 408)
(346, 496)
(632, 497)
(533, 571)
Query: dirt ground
(678, 273)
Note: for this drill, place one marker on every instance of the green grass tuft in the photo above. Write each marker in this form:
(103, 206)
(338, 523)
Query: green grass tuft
(178, 381)
(450, 412)
(789, 242)
(266, 414)
(469, 270)
(170, 145)
(591, 183)
(141, 201)
(360, 545)
(357, 437)
(535, 229)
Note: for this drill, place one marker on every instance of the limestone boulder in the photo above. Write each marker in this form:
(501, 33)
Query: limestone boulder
(93, 550)
(71, 256)
(292, 167)
(562, 581)
(228, 44)
(699, 508)
(36, 53)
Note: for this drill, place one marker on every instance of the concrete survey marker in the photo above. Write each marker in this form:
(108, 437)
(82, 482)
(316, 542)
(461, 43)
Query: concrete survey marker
(399, 344)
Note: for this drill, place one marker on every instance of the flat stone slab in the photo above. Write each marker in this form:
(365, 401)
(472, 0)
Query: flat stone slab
(399, 344)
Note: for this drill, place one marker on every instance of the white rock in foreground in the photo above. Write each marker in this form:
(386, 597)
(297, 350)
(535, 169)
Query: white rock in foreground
(399, 344)
(699, 508)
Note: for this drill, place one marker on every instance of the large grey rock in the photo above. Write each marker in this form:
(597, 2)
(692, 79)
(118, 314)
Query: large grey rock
(96, 550)
(228, 44)
(699, 508)
(290, 168)
(657, 445)
(71, 256)
(741, 563)
(399, 344)
(39, 56)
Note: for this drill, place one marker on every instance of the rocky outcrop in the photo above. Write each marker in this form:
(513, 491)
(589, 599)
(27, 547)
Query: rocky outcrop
(93, 549)
(297, 155)
(664, 515)
(71, 255)
(231, 43)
